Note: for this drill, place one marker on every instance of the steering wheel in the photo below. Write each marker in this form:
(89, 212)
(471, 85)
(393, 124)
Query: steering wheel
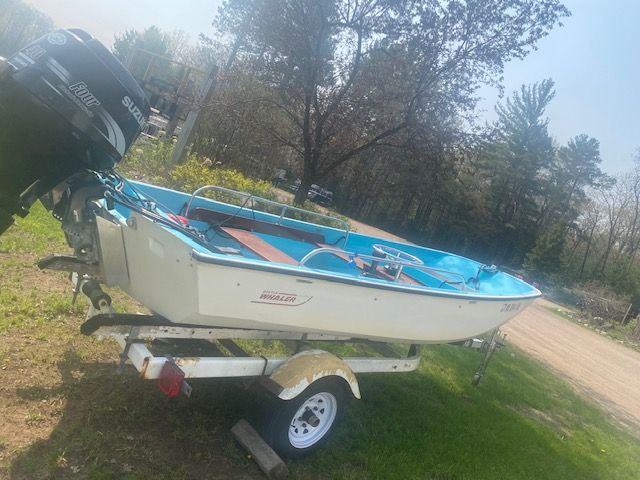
(390, 253)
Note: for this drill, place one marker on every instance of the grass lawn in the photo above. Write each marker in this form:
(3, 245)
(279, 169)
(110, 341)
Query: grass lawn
(66, 414)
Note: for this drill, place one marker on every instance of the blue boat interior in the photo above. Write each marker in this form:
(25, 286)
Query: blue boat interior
(243, 232)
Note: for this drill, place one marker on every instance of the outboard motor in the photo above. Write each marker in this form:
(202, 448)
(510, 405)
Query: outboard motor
(67, 105)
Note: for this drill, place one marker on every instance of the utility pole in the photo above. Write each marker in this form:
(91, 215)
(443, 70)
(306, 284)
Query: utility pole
(184, 139)
(186, 135)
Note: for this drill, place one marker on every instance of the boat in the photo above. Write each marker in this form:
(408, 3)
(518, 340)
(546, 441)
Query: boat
(231, 261)
(218, 264)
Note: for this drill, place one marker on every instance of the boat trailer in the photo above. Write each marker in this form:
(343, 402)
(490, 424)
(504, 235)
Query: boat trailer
(310, 385)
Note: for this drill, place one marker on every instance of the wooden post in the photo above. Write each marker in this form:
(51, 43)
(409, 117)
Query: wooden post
(268, 460)
(625, 315)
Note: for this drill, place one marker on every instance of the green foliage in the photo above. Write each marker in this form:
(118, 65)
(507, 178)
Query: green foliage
(577, 166)
(195, 173)
(546, 256)
(623, 276)
(513, 163)
(124, 44)
(151, 39)
(148, 160)
(353, 78)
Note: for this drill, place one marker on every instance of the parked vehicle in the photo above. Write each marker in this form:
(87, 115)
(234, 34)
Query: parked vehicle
(316, 193)
(320, 195)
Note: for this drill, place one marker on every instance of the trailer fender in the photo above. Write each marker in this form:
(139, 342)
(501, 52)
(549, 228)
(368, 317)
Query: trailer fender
(304, 368)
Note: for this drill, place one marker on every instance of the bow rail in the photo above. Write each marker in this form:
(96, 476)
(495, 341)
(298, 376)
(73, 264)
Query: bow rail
(254, 199)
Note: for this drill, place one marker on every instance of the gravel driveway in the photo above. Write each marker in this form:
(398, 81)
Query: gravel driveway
(595, 365)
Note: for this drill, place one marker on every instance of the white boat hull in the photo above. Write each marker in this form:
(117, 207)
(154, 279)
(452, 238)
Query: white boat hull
(164, 274)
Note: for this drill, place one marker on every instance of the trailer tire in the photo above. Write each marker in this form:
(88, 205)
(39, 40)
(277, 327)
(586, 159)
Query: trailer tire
(289, 427)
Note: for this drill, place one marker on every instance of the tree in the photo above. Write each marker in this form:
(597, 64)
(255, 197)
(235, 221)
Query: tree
(124, 44)
(20, 24)
(175, 45)
(515, 163)
(329, 64)
(577, 167)
(151, 39)
(591, 218)
(546, 256)
(231, 130)
(614, 204)
(607, 234)
(630, 242)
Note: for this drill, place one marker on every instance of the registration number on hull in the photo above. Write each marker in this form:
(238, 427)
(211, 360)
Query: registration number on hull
(510, 307)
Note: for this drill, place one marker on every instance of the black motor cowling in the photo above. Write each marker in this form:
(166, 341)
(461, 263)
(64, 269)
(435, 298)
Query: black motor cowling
(66, 105)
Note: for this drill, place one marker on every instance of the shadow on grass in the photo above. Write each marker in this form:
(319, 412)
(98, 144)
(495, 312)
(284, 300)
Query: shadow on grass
(115, 427)
(430, 424)
(521, 423)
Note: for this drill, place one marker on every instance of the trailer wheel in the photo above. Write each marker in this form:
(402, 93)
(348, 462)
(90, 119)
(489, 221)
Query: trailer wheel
(298, 426)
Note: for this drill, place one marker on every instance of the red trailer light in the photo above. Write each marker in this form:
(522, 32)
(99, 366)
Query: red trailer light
(170, 379)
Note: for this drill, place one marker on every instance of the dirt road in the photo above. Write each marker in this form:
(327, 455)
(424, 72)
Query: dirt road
(600, 368)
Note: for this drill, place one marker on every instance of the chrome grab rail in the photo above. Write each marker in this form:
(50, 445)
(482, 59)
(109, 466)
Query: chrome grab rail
(253, 198)
(403, 263)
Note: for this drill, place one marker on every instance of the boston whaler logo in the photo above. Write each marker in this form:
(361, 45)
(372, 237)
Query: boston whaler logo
(135, 111)
(280, 298)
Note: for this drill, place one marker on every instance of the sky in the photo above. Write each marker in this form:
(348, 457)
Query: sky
(595, 63)
(105, 18)
(593, 59)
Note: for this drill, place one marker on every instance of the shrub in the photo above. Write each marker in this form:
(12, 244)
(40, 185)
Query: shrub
(195, 173)
(149, 160)
(312, 207)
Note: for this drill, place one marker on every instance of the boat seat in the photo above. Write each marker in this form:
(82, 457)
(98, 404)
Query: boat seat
(253, 225)
(258, 246)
